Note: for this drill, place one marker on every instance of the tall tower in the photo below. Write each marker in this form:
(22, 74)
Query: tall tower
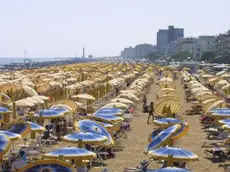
(83, 55)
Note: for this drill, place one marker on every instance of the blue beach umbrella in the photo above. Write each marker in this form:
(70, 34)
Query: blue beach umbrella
(219, 110)
(167, 121)
(4, 144)
(163, 136)
(110, 111)
(49, 166)
(178, 154)
(224, 121)
(49, 114)
(93, 127)
(70, 153)
(4, 110)
(64, 110)
(170, 169)
(12, 136)
(35, 127)
(85, 137)
(153, 134)
(19, 128)
(112, 118)
(221, 114)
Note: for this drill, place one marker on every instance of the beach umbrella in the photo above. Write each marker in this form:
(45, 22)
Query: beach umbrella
(226, 126)
(112, 110)
(220, 103)
(49, 114)
(84, 97)
(160, 106)
(225, 121)
(85, 138)
(4, 144)
(129, 95)
(167, 121)
(221, 114)
(169, 169)
(173, 154)
(70, 153)
(162, 137)
(49, 166)
(111, 118)
(182, 131)
(12, 136)
(219, 110)
(30, 91)
(4, 110)
(22, 103)
(153, 134)
(21, 128)
(60, 109)
(63, 106)
(93, 127)
(118, 105)
(35, 127)
(122, 100)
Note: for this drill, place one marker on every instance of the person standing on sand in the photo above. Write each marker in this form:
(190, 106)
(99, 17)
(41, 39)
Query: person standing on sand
(151, 110)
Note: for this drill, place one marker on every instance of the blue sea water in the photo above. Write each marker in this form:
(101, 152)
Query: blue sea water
(9, 60)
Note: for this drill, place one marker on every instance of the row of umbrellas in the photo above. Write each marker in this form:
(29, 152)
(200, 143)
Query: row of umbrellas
(168, 131)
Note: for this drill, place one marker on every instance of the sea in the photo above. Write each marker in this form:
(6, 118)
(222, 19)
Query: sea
(9, 60)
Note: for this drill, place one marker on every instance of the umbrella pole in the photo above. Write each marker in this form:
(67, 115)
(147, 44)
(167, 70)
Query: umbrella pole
(80, 143)
(170, 161)
(14, 110)
(170, 144)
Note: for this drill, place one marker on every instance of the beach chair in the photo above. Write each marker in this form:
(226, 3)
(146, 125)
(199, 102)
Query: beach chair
(142, 168)
(219, 139)
(218, 153)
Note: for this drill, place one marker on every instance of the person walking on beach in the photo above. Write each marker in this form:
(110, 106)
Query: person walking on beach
(151, 110)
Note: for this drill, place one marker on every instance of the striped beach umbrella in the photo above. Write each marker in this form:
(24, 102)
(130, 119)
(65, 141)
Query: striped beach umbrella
(49, 114)
(70, 153)
(85, 138)
(162, 137)
(93, 127)
(169, 169)
(49, 166)
(167, 121)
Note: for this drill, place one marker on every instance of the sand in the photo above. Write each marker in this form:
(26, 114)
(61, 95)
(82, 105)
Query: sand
(137, 139)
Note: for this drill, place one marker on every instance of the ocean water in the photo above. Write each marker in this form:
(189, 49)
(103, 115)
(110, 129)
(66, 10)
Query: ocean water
(9, 60)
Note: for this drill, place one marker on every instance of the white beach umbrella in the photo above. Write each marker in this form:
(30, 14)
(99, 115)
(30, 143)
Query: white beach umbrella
(30, 91)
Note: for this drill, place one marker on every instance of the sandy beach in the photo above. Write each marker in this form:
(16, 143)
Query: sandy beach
(137, 139)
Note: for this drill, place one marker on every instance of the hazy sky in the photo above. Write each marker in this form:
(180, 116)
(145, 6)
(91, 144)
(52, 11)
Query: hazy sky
(104, 27)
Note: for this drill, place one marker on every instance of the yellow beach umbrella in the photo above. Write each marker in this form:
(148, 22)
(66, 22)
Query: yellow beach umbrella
(218, 104)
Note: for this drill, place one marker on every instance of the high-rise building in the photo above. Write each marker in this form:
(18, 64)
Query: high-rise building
(139, 51)
(223, 45)
(166, 36)
(162, 40)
